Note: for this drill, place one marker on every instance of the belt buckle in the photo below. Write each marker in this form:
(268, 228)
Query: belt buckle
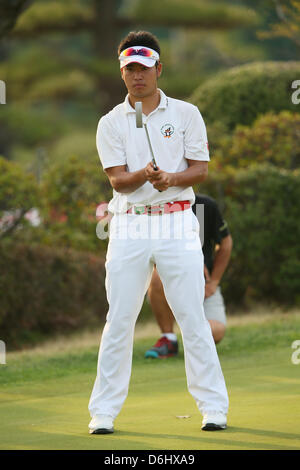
(140, 210)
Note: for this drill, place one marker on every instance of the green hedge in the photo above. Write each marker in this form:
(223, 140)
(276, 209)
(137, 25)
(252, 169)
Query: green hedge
(18, 193)
(241, 94)
(261, 206)
(273, 138)
(47, 290)
(71, 190)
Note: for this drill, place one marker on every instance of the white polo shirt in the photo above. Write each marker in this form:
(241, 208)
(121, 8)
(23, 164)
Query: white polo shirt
(177, 132)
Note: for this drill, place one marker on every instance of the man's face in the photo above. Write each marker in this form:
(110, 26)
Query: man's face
(141, 81)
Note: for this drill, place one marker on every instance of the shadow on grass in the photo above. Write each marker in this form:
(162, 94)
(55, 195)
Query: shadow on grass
(128, 440)
(216, 438)
(265, 432)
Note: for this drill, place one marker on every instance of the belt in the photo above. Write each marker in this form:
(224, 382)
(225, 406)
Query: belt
(160, 209)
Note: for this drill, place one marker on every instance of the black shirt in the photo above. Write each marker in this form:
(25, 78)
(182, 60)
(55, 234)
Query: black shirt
(213, 228)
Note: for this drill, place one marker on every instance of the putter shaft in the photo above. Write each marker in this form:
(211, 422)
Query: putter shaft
(151, 150)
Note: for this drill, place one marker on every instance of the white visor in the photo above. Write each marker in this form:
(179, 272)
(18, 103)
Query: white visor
(138, 54)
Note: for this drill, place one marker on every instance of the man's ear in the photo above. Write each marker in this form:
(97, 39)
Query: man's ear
(122, 69)
(159, 70)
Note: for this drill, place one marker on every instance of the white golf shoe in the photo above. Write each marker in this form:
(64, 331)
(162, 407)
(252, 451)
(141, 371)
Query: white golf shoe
(214, 421)
(101, 424)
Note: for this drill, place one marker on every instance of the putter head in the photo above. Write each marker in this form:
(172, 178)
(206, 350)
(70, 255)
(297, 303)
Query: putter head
(139, 114)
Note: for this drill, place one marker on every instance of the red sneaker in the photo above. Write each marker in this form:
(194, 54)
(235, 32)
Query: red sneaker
(163, 348)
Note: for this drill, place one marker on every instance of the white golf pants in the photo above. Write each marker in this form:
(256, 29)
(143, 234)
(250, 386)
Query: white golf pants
(172, 242)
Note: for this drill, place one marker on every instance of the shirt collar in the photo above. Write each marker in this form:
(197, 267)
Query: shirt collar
(162, 104)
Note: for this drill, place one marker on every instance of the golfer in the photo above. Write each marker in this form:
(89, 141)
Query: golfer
(153, 224)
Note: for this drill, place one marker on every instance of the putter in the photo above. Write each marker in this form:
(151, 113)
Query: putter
(139, 124)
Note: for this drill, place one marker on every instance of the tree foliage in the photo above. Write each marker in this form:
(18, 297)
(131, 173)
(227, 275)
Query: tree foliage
(104, 21)
(190, 13)
(288, 24)
(9, 13)
(71, 190)
(18, 194)
(261, 206)
(47, 290)
(273, 138)
(239, 95)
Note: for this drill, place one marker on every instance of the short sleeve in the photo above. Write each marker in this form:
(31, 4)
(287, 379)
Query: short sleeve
(220, 226)
(195, 139)
(109, 145)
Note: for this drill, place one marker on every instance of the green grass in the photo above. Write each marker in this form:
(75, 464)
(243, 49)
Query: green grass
(44, 396)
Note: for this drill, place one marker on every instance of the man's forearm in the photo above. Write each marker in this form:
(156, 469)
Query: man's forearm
(221, 259)
(192, 175)
(127, 182)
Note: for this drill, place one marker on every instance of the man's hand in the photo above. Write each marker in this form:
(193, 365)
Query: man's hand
(206, 274)
(210, 284)
(210, 288)
(160, 179)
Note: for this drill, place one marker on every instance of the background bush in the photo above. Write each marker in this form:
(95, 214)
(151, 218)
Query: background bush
(241, 94)
(18, 193)
(70, 192)
(273, 138)
(261, 206)
(45, 290)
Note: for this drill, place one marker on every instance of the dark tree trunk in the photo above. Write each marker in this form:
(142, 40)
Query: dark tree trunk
(107, 36)
(9, 12)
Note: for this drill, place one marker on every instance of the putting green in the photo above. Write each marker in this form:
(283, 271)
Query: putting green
(44, 400)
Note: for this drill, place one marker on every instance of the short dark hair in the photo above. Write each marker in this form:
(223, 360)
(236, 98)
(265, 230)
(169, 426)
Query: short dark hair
(139, 38)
